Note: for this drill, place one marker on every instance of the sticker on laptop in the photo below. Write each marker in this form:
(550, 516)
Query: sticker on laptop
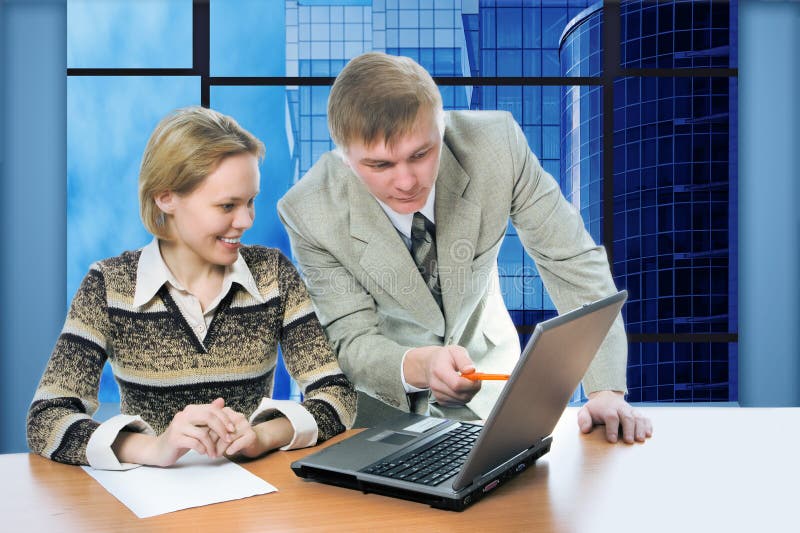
(424, 425)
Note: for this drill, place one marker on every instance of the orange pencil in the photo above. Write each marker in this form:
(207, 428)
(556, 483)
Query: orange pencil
(480, 376)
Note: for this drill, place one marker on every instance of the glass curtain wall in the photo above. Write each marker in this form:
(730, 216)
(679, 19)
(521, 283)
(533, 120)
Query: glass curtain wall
(642, 140)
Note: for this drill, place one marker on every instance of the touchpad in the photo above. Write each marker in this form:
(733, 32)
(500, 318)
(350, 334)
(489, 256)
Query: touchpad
(390, 437)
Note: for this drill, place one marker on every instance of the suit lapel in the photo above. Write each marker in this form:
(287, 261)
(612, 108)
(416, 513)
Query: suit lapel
(457, 225)
(386, 259)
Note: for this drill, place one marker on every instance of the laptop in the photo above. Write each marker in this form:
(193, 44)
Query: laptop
(450, 464)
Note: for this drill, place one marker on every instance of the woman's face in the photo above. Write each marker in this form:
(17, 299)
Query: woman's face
(207, 224)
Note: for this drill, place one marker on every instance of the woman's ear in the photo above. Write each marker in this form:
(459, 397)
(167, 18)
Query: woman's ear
(165, 201)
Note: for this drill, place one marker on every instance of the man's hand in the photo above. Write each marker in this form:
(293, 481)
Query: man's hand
(437, 368)
(609, 408)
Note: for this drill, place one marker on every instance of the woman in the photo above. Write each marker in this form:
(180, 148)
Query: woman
(190, 323)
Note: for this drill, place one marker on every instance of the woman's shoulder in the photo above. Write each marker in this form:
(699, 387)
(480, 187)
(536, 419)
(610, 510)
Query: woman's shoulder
(262, 260)
(267, 265)
(253, 254)
(119, 270)
(116, 274)
(124, 261)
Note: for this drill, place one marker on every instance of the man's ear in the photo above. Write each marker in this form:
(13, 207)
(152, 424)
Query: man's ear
(165, 201)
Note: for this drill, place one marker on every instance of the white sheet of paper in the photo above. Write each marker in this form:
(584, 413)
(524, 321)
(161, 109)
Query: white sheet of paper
(193, 481)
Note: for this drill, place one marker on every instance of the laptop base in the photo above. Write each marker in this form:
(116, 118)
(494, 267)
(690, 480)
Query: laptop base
(456, 503)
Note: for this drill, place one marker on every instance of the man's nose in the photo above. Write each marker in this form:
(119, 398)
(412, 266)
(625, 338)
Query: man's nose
(405, 178)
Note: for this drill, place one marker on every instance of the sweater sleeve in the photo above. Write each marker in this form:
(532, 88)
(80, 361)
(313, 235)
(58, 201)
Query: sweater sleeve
(59, 423)
(328, 395)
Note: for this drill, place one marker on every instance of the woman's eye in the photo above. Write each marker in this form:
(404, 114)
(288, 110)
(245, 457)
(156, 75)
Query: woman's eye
(227, 207)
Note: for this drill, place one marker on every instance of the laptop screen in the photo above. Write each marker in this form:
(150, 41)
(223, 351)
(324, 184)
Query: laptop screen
(547, 373)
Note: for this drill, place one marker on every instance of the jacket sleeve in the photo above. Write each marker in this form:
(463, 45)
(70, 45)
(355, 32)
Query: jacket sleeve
(59, 423)
(327, 393)
(573, 268)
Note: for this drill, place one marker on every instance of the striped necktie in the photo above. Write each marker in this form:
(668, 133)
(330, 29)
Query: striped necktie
(423, 250)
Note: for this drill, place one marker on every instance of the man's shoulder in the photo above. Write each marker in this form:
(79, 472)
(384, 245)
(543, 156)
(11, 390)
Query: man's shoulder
(326, 178)
(473, 117)
(472, 124)
(320, 201)
(481, 141)
(478, 134)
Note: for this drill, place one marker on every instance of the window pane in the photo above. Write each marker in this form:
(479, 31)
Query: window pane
(322, 36)
(701, 33)
(141, 34)
(677, 189)
(581, 49)
(249, 38)
(682, 372)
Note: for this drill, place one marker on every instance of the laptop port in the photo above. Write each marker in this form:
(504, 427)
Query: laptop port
(491, 485)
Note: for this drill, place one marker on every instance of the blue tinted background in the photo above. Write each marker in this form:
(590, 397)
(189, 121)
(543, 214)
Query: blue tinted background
(247, 38)
(33, 166)
(155, 34)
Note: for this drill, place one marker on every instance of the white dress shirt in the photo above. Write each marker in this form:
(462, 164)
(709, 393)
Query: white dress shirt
(402, 223)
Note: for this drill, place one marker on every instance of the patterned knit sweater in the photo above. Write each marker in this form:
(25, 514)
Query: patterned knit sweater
(161, 366)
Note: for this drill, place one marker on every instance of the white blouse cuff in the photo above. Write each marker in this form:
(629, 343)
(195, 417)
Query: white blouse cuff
(99, 452)
(410, 389)
(305, 427)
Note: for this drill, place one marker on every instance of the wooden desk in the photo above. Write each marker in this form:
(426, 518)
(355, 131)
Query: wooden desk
(705, 469)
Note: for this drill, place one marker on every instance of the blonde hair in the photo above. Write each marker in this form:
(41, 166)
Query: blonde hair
(187, 146)
(379, 97)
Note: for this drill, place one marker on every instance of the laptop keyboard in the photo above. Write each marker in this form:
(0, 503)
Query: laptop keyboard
(434, 463)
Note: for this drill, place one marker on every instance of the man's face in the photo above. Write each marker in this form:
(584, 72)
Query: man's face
(400, 176)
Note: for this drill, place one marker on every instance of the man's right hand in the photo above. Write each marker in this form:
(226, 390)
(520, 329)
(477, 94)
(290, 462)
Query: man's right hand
(438, 368)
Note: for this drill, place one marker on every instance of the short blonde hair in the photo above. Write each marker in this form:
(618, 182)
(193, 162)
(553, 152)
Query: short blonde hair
(379, 97)
(187, 146)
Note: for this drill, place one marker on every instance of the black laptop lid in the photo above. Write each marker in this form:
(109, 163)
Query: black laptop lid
(547, 373)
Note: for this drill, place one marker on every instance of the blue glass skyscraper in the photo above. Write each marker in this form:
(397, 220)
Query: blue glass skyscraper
(674, 181)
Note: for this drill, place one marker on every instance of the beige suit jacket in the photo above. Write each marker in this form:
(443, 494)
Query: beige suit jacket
(372, 301)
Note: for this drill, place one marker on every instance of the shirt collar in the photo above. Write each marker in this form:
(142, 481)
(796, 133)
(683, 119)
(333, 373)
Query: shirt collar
(152, 273)
(403, 222)
(241, 274)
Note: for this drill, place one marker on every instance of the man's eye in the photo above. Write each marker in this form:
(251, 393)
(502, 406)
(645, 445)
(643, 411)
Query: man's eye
(380, 166)
(419, 155)
(227, 207)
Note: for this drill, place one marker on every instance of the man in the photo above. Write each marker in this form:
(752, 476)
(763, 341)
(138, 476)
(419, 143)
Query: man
(397, 234)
